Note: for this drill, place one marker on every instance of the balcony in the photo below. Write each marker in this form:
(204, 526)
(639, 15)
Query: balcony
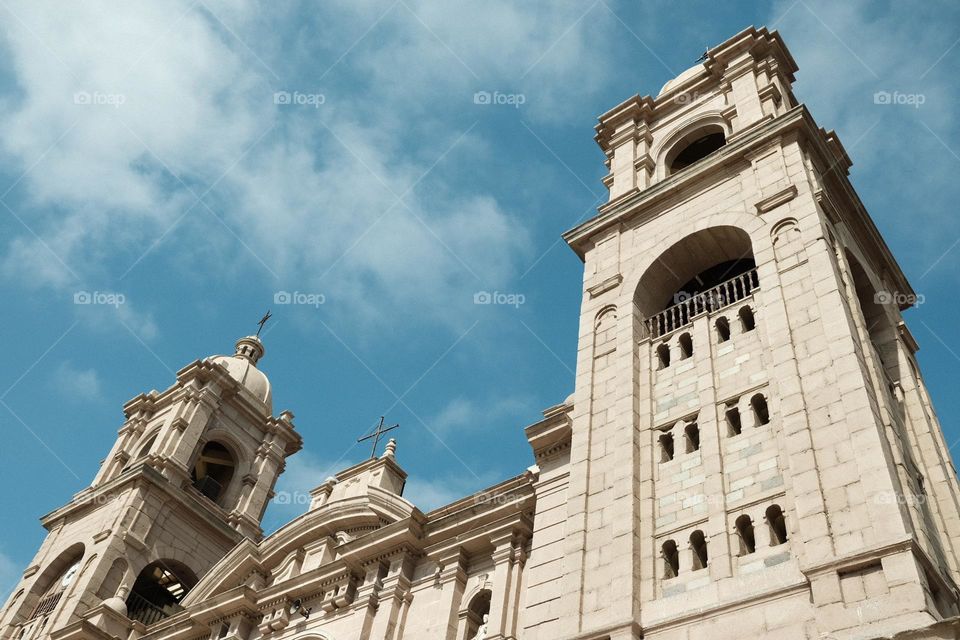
(722, 295)
(142, 610)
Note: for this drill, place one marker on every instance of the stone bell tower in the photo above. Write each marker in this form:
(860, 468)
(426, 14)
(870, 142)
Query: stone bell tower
(753, 450)
(188, 478)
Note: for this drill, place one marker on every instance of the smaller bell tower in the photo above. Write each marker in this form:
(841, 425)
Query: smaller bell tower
(188, 478)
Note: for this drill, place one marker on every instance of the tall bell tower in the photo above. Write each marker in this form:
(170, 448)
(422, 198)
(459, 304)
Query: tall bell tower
(753, 453)
(188, 479)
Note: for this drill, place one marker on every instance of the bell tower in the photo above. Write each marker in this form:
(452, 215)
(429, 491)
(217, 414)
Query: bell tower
(189, 478)
(753, 450)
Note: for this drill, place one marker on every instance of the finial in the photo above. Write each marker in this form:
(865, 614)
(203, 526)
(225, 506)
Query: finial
(391, 449)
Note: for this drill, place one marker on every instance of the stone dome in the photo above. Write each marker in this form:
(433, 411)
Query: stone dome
(680, 79)
(242, 367)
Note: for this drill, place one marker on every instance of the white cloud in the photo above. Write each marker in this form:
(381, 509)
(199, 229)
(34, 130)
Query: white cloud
(77, 383)
(461, 414)
(188, 104)
(431, 493)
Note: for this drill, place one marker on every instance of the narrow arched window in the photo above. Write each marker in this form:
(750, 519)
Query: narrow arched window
(748, 542)
(686, 346)
(663, 356)
(213, 471)
(777, 524)
(691, 435)
(723, 329)
(696, 149)
(761, 414)
(732, 415)
(671, 559)
(698, 545)
(666, 447)
(747, 322)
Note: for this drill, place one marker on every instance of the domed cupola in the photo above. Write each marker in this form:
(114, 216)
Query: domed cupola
(242, 367)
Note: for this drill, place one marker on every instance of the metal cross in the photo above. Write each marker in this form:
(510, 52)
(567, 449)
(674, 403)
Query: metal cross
(263, 321)
(376, 436)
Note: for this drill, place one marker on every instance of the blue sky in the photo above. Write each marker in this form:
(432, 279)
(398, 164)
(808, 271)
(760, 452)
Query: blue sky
(145, 155)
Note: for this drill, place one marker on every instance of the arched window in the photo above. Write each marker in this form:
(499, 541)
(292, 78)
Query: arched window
(777, 524)
(213, 471)
(723, 329)
(145, 449)
(704, 272)
(671, 559)
(477, 612)
(663, 356)
(692, 437)
(686, 346)
(747, 322)
(878, 326)
(694, 147)
(666, 447)
(63, 571)
(732, 415)
(748, 543)
(761, 414)
(158, 591)
(698, 545)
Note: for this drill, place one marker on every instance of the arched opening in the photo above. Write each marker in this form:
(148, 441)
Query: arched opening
(666, 447)
(692, 436)
(698, 545)
(671, 559)
(761, 414)
(732, 415)
(213, 471)
(747, 322)
(695, 146)
(478, 612)
(748, 543)
(686, 346)
(880, 330)
(145, 449)
(723, 329)
(778, 525)
(158, 590)
(706, 271)
(57, 578)
(663, 356)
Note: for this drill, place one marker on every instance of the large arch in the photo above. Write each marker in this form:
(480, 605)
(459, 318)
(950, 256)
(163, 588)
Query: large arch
(45, 593)
(880, 329)
(685, 135)
(159, 589)
(694, 265)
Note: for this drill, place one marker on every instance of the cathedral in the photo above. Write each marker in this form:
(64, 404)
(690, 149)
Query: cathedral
(750, 450)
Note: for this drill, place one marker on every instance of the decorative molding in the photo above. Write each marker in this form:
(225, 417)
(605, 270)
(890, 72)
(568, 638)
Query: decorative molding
(772, 202)
(605, 285)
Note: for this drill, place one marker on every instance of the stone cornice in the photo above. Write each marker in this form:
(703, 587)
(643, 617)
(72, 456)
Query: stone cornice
(638, 205)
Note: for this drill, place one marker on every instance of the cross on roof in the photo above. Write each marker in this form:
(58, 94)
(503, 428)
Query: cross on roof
(263, 321)
(376, 436)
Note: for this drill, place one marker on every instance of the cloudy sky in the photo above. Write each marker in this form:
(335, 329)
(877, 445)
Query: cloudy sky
(181, 163)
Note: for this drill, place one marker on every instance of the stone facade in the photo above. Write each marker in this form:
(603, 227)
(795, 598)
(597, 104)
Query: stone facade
(749, 452)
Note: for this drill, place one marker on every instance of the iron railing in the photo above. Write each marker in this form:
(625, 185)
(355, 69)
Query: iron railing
(684, 311)
(142, 610)
(46, 605)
